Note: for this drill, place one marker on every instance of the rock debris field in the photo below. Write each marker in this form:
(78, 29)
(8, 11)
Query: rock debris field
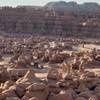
(49, 68)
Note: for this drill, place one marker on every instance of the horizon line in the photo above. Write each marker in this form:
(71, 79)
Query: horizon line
(39, 5)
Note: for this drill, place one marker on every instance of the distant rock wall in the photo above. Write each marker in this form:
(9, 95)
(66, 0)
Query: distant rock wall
(44, 21)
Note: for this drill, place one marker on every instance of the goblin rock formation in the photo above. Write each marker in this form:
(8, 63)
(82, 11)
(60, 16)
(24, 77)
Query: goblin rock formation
(38, 68)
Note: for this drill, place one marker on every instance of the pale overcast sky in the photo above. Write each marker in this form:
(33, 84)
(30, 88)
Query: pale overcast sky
(37, 2)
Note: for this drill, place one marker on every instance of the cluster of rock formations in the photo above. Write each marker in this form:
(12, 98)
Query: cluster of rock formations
(54, 87)
(18, 80)
(55, 18)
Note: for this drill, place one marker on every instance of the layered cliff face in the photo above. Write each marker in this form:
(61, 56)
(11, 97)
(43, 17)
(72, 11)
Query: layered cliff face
(55, 18)
(73, 6)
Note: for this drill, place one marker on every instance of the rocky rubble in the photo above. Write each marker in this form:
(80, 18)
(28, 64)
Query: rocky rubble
(55, 18)
(29, 87)
(21, 78)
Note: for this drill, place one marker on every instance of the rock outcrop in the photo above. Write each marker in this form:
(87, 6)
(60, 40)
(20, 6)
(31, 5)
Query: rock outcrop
(55, 18)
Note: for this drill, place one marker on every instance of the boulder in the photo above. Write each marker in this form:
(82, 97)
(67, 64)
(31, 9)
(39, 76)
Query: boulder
(38, 90)
(82, 87)
(54, 74)
(20, 91)
(85, 94)
(63, 95)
